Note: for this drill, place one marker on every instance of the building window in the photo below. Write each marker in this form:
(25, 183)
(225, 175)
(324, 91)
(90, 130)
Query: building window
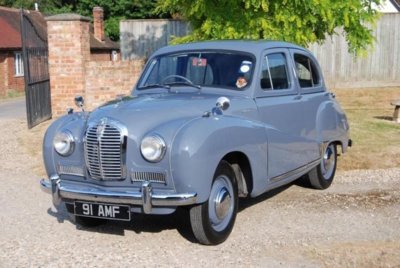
(18, 64)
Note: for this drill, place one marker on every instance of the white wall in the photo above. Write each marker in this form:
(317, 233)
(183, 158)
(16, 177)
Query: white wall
(386, 7)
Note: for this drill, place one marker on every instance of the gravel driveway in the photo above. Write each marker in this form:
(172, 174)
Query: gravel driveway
(356, 222)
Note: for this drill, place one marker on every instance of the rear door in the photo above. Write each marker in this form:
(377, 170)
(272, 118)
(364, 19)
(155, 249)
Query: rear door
(282, 110)
(313, 95)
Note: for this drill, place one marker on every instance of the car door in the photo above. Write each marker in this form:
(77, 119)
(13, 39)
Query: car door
(282, 110)
(313, 95)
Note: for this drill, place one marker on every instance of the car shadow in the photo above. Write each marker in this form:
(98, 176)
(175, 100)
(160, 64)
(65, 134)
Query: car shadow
(249, 202)
(179, 220)
(140, 223)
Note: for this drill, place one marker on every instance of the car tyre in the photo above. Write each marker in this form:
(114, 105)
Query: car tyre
(321, 176)
(213, 220)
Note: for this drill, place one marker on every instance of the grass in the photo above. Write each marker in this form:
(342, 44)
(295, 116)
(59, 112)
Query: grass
(11, 93)
(376, 137)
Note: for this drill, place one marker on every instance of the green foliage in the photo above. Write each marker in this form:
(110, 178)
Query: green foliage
(112, 27)
(298, 21)
(114, 10)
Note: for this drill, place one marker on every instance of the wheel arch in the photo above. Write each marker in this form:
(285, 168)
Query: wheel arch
(243, 171)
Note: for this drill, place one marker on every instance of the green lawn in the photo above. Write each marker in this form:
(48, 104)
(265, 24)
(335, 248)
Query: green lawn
(376, 137)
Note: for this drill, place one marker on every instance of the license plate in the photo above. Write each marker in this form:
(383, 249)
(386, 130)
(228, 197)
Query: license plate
(102, 211)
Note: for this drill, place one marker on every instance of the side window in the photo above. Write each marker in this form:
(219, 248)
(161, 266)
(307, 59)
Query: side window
(274, 72)
(306, 71)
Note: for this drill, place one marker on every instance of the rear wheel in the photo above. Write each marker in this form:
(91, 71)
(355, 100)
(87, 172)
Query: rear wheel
(321, 176)
(213, 221)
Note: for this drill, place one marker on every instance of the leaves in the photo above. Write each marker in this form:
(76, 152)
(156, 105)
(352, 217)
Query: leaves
(114, 10)
(299, 21)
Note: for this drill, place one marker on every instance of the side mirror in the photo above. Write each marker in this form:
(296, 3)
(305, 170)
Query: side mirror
(79, 101)
(223, 103)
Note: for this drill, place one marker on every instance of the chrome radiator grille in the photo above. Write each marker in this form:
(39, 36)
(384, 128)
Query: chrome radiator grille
(104, 151)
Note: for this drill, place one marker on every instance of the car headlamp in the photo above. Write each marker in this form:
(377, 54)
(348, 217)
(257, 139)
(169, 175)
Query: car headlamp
(64, 143)
(153, 148)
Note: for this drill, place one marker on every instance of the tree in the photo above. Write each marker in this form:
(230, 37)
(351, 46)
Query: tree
(114, 10)
(299, 21)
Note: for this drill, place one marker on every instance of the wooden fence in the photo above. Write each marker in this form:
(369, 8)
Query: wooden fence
(140, 38)
(379, 68)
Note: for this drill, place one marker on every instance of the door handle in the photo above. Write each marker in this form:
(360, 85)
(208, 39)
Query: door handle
(298, 97)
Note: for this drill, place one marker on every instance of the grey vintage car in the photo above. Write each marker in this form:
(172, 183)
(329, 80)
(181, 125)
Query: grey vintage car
(207, 123)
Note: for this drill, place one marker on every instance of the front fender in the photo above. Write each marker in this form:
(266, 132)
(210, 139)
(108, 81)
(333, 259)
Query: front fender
(201, 144)
(75, 124)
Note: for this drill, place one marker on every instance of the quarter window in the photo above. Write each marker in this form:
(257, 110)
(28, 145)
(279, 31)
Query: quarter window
(306, 71)
(274, 72)
(18, 64)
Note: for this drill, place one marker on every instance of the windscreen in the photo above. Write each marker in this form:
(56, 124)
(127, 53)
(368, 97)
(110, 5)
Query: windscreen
(213, 69)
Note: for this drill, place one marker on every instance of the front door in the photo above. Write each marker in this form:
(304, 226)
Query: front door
(284, 113)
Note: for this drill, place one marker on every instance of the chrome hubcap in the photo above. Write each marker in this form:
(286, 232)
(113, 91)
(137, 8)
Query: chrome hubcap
(328, 162)
(221, 203)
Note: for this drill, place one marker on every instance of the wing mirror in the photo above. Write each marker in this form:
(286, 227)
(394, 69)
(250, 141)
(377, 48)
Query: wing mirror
(79, 102)
(223, 103)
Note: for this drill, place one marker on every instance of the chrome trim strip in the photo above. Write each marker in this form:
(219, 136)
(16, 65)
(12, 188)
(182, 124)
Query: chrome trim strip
(154, 177)
(145, 197)
(295, 171)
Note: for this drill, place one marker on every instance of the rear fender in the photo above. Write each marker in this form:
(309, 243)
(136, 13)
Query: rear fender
(332, 125)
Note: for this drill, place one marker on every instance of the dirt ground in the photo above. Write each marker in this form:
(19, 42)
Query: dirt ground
(355, 223)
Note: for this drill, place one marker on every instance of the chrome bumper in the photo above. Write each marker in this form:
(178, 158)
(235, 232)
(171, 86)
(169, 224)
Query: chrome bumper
(145, 197)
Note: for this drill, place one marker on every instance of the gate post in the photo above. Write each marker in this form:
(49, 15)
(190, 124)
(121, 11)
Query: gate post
(69, 50)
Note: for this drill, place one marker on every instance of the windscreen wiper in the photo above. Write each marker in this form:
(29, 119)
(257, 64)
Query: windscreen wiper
(183, 84)
(155, 86)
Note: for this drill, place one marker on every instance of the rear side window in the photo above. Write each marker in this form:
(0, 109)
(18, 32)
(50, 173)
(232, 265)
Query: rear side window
(306, 71)
(274, 72)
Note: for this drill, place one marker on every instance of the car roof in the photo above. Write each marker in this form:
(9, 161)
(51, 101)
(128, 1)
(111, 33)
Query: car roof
(252, 46)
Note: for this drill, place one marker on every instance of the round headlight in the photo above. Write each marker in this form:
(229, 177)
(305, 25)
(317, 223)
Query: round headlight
(64, 143)
(153, 148)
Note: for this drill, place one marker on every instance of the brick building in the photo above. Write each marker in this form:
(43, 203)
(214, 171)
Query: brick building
(11, 62)
(11, 66)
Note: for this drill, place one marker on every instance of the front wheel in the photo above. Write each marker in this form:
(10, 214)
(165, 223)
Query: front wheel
(322, 175)
(213, 221)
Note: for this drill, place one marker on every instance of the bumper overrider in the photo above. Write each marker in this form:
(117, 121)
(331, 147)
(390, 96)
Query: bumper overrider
(145, 197)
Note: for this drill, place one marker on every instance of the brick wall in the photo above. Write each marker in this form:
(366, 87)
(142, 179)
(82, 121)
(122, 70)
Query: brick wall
(3, 74)
(68, 42)
(15, 83)
(105, 80)
(74, 71)
(98, 55)
(8, 80)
